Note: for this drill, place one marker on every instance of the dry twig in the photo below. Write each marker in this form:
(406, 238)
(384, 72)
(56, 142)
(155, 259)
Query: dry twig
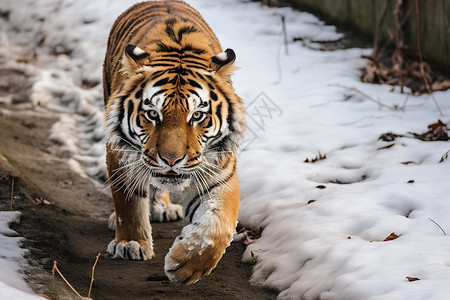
(364, 95)
(397, 57)
(444, 157)
(283, 24)
(92, 277)
(437, 225)
(377, 29)
(12, 195)
(55, 268)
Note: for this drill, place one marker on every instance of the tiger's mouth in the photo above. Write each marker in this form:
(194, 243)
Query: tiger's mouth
(172, 175)
(170, 180)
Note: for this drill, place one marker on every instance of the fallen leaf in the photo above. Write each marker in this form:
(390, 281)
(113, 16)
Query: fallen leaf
(391, 237)
(410, 279)
(435, 126)
(436, 132)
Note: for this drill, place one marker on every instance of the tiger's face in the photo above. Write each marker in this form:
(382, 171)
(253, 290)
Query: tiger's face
(178, 127)
(173, 124)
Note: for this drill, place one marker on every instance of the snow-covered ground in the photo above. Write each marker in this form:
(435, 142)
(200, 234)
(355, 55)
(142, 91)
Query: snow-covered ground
(324, 222)
(12, 285)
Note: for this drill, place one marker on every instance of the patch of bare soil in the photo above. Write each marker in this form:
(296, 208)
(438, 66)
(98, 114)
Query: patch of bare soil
(64, 219)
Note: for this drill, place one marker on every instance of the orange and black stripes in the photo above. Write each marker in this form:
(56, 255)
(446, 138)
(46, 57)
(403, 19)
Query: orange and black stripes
(168, 47)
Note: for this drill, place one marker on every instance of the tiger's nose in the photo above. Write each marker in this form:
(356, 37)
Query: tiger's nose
(171, 161)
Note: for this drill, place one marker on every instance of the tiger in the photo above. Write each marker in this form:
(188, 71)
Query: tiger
(173, 124)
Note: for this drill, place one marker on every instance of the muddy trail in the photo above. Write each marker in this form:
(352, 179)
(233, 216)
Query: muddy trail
(64, 219)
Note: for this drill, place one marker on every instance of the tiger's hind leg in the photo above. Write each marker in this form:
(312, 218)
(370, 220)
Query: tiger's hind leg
(163, 210)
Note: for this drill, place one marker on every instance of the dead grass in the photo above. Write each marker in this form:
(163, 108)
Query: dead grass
(385, 66)
(56, 270)
(437, 225)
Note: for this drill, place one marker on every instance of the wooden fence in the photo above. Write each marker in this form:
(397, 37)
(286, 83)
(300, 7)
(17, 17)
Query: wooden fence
(434, 22)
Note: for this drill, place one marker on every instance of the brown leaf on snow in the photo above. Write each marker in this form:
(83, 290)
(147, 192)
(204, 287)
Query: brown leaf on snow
(436, 132)
(412, 76)
(391, 237)
(410, 279)
(435, 126)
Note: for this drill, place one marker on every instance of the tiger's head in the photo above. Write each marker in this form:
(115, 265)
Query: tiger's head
(175, 116)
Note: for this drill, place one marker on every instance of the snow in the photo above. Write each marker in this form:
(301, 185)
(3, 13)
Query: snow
(299, 104)
(12, 285)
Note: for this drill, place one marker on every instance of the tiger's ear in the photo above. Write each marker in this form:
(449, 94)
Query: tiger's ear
(133, 58)
(222, 63)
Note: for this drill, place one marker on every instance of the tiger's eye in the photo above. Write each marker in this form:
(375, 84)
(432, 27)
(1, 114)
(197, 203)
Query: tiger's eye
(152, 115)
(197, 115)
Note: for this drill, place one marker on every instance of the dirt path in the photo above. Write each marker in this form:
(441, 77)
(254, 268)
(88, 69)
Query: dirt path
(64, 218)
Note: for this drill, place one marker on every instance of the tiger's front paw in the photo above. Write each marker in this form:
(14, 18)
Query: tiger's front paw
(134, 250)
(193, 255)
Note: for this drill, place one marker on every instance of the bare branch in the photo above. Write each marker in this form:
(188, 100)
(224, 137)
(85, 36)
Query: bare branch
(55, 268)
(92, 276)
(364, 95)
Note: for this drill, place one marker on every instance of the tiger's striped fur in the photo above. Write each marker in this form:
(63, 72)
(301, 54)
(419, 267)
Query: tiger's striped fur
(173, 122)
